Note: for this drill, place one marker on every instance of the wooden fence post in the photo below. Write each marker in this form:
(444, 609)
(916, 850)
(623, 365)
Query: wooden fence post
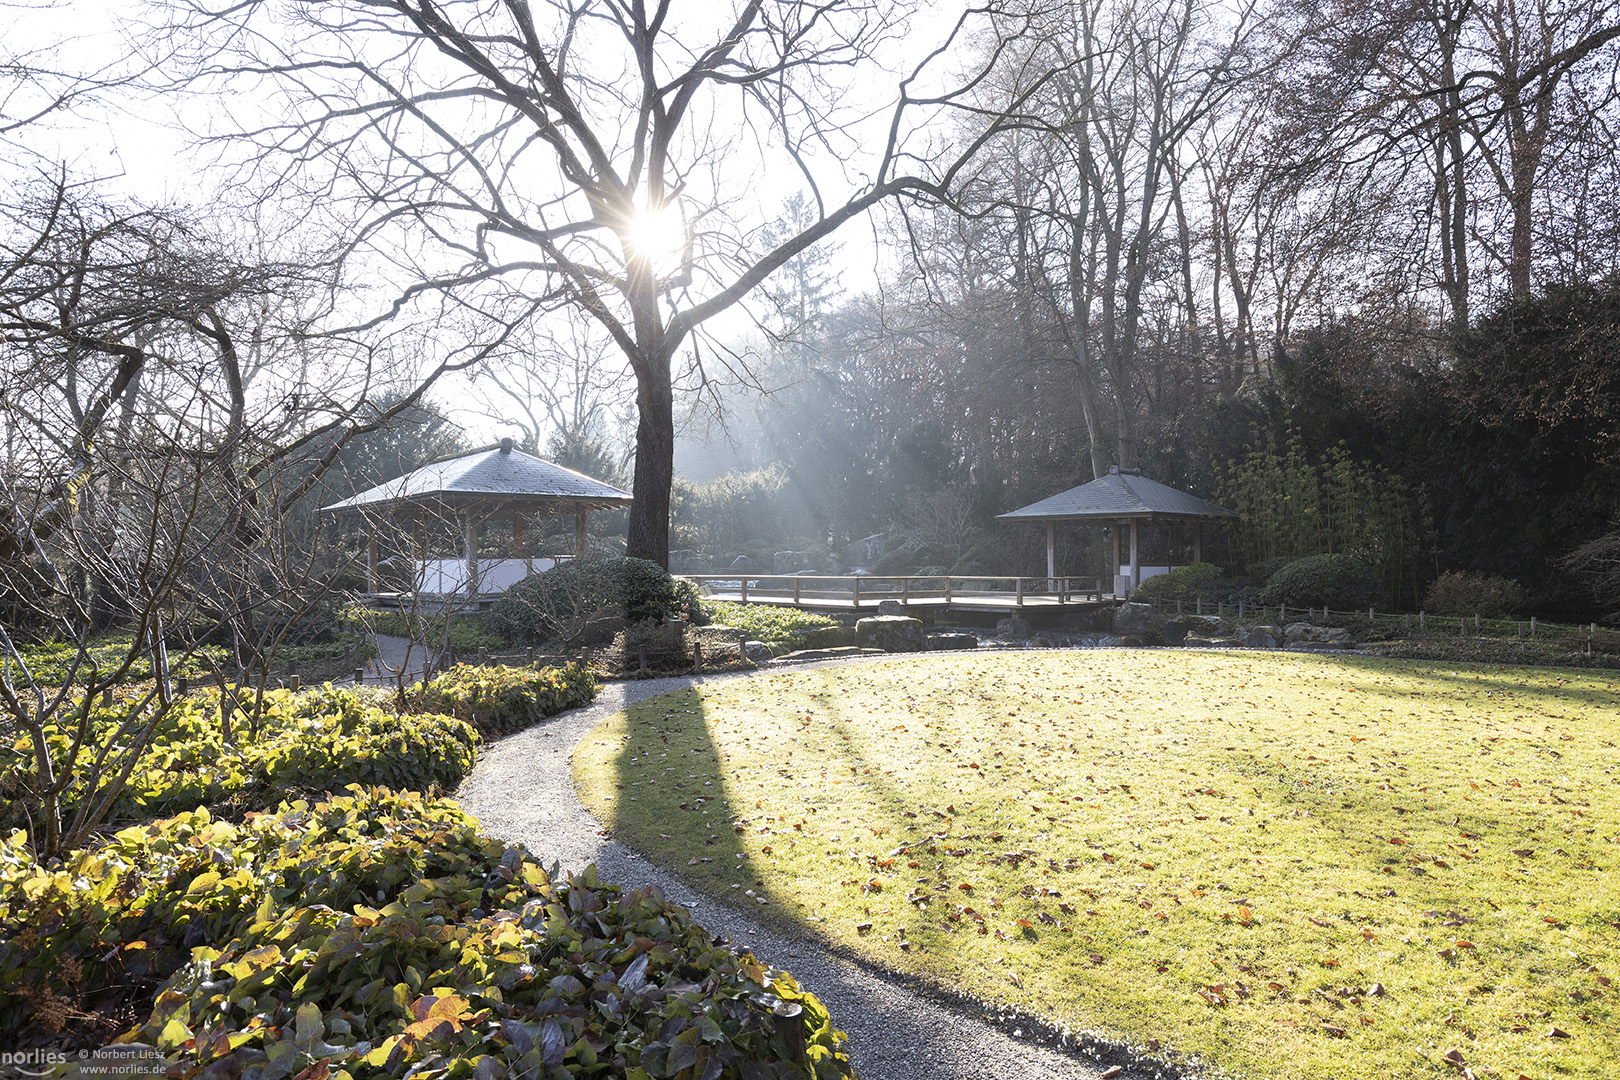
(359, 675)
(745, 588)
(1018, 585)
(795, 592)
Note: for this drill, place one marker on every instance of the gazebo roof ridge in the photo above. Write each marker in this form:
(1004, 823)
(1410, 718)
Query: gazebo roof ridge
(500, 474)
(1116, 495)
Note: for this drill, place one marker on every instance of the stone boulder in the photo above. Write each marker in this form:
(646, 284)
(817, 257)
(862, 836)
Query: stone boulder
(827, 637)
(1133, 620)
(1259, 637)
(951, 639)
(1013, 627)
(792, 562)
(891, 633)
(757, 651)
(891, 607)
(687, 561)
(1173, 632)
(744, 565)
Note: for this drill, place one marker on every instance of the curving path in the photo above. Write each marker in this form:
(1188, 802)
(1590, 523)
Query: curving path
(521, 790)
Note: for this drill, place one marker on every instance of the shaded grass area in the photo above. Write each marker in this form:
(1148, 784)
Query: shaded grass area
(1285, 865)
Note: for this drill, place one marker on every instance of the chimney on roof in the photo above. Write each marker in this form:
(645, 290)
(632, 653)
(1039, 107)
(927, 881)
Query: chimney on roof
(506, 445)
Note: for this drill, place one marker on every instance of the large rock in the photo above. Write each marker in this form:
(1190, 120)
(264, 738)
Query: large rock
(952, 639)
(891, 607)
(1259, 637)
(1133, 620)
(891, 633)
(744, 565)
(687, 561)
(791, 562)
(827, 637)
(864, 552)
(1173, 632)
(1013, 627)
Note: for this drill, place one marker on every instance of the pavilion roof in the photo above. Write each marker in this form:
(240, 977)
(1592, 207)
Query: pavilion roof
(503, 477)
(1122, 493)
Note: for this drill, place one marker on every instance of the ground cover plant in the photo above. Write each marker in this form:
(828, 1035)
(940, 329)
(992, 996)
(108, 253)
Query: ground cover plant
(311, 741)
(783, 629)
(502, 699)
(1284, 865)
(51, 664)
(378, 935)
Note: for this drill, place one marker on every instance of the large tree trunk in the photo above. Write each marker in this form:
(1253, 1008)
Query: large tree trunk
(655, 466)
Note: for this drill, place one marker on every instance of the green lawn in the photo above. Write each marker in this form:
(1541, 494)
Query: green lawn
(1286, 865)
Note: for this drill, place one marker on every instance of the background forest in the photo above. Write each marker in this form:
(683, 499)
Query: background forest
(1278, 255)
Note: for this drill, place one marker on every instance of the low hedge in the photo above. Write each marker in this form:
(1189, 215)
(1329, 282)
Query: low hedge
(378, 935)
(1490, 596)
(314, 741)
(1334, 581)
(549, 604)
(502, 699)
(1182, 583)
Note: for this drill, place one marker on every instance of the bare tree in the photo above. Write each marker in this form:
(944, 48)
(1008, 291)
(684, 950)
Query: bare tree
(598, 154)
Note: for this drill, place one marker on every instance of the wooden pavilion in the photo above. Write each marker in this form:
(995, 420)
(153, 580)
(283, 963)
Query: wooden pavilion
(471, 490)
(1123, 499)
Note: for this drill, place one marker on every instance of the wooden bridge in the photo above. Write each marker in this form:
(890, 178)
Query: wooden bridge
(934, 593)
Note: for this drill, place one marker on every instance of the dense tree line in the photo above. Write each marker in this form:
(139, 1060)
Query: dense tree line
(1379, 237)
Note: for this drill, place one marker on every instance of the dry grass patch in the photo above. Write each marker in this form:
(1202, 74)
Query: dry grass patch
(1285, 865)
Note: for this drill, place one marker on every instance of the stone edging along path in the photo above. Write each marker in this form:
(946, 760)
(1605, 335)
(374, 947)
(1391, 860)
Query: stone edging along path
(522, 790)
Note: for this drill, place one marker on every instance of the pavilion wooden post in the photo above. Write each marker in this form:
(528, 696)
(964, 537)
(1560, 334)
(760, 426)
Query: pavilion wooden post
(371, 560)
(517, 542)
(1136, 569)
(1115, 530)
(1051, 555)
(469, 537)
(579, 534)
(419, 550)
(1198, 541)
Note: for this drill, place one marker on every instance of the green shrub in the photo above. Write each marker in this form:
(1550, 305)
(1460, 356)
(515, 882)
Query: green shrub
(783, 629)
(1183, 583)
(378, 935)
(502, 699)
(1259, 573)
(468, 633)
(321, 740)
(546, 605)
(1473, 594)
(1335, 581)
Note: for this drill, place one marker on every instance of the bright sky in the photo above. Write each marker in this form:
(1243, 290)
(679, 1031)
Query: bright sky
(140, 148)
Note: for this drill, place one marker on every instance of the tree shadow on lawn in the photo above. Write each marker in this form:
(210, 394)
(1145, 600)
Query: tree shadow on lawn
(673, 803)
(689, 815)
(1483, 678)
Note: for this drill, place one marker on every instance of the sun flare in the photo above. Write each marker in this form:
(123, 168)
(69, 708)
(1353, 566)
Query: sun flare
(656, 233)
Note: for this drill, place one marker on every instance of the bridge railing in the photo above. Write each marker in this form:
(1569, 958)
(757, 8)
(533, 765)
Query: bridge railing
(872, 589)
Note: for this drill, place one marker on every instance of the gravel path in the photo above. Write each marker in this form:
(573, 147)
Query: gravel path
(521, 790)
